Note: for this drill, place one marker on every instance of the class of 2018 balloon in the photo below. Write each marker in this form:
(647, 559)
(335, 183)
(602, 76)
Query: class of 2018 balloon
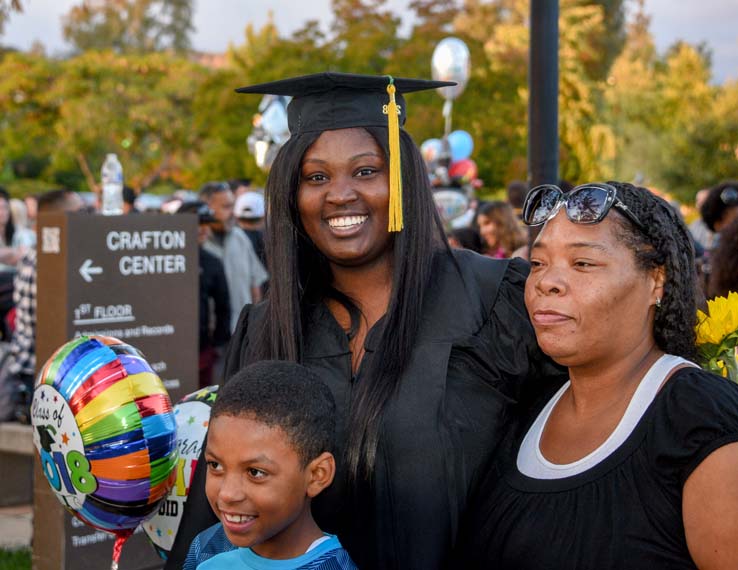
(106, 435)
(193, 416)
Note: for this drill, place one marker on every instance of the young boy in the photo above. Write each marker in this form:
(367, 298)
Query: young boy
(268, 455)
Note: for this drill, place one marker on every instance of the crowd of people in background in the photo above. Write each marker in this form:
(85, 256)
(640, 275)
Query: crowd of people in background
(233, 264)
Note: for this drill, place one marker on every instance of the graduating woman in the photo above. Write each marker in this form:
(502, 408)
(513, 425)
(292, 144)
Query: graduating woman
(633, 463)
(426, 350)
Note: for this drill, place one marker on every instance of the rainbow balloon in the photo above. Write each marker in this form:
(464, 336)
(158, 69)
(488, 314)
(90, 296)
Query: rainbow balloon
(105, 431)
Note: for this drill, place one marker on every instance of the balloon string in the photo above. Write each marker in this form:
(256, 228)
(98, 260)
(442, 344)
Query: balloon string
(120, 539)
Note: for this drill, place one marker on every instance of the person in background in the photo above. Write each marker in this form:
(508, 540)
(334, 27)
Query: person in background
(516, 192)
(23, 341)
(249, 212)
(720, 207)
(31, 202)
(245, 274)
(129, 200)
(214, 308)
(724, 263)
(718, 210)
(633, 463)
(699, 230)
(13, 244)
(239, 185)
(172, 204)
(499, 229)
(24, 235)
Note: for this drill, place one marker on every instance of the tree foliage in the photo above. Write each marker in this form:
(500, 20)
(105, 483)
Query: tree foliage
(6, 7)
(129, 25)
(626, 111)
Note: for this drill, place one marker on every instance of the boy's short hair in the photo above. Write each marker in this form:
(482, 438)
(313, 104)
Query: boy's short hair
(285, 395)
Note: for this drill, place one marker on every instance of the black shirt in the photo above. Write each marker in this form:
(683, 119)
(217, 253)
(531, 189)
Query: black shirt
(213, 290)
(625, 513)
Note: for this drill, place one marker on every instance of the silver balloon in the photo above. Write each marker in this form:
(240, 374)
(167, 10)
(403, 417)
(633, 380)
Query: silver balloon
(270, 130)
(450, 203)
(274, 118)
(451, 62)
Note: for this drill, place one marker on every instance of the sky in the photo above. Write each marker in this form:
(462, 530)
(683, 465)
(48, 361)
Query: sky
(220, 22)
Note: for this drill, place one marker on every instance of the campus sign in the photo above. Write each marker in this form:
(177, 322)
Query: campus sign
(131, 277)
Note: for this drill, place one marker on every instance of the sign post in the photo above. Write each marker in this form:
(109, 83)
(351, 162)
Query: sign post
(134, 278)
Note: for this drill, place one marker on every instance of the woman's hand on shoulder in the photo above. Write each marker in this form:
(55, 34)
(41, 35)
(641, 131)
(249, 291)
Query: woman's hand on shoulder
(710, 510)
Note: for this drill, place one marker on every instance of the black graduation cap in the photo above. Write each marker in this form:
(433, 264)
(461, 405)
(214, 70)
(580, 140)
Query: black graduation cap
(330, 101)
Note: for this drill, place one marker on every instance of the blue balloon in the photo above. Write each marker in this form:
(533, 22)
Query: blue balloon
(461, 145)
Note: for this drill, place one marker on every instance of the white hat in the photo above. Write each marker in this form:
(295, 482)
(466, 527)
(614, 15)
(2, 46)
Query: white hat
(249, 205)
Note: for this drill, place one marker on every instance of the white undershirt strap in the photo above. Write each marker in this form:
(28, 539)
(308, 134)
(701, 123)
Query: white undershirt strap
(317, 542)
(530, 460)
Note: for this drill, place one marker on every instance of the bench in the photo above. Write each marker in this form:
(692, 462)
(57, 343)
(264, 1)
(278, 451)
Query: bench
(16, 464)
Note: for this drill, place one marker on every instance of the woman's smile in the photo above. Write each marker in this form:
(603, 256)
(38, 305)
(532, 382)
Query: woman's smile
(343, 198)
(345, 225)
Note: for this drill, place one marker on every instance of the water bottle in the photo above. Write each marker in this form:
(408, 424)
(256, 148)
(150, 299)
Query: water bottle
(111, 177)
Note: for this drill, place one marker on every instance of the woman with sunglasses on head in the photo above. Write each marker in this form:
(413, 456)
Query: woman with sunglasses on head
(633, 463)
(425, 349)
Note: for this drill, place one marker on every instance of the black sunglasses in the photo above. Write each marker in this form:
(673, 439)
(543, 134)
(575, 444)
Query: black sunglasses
(585, 204)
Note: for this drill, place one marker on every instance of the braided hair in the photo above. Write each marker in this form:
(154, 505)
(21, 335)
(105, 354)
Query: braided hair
(666, 243)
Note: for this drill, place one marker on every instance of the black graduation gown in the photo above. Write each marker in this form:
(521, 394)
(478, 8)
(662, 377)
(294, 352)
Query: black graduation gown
(475, 356)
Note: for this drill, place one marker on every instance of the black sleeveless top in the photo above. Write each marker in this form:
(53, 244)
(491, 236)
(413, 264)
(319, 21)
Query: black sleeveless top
(623, 513)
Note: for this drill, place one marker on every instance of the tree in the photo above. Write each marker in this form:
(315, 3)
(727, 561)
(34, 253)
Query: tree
(138, 106)
(690, 159)
(503, 26)
(28, 113)
(633, 102)
(365, 35)
(6, 7)
(608, 41)
(130, 25)
(662, 110)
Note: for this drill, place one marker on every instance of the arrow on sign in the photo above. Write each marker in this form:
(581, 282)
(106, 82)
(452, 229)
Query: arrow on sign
(87, 270)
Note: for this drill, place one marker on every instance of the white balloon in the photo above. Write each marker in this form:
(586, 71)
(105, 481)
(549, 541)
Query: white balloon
(192, 414)
(450, 203)
(451, 62)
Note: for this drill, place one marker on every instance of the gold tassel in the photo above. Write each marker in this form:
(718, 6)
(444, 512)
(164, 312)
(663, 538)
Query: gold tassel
(395, 171)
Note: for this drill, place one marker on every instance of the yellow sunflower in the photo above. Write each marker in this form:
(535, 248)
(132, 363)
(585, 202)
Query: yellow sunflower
(717, 335)
(721, 320)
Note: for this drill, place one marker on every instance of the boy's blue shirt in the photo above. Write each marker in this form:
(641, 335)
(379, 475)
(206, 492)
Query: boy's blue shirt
(206, 545)
(211, 550)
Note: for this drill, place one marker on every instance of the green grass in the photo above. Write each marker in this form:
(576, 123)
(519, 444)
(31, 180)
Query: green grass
(15, 559)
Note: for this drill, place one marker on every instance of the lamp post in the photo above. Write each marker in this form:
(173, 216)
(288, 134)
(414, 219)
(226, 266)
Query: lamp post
(543, 83)
(543, 103)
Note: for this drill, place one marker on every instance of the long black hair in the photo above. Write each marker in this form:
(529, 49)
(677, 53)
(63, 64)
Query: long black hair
(664, 242)
(305, 278)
